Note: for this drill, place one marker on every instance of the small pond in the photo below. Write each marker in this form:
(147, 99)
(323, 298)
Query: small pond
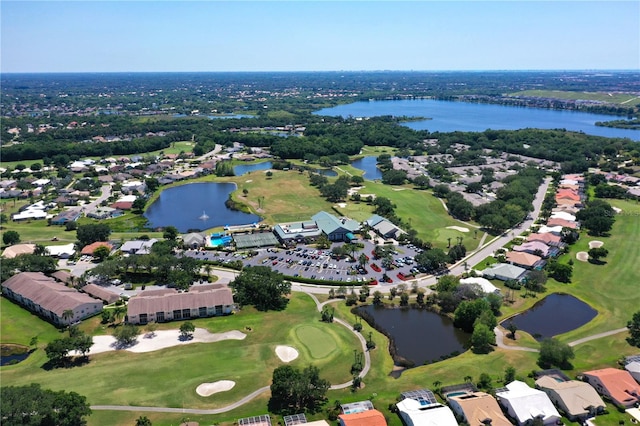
(13, 354)
(196, 206)
(553, 315)
(370, 166)
(251, 167)
(326, 172)
(420, 336)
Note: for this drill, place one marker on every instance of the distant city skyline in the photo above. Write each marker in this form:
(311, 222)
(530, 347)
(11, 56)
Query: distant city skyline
(221, 36)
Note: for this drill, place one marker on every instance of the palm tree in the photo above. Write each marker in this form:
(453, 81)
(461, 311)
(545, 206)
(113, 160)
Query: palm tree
(67, 315)
(468, 379)
(119, 312)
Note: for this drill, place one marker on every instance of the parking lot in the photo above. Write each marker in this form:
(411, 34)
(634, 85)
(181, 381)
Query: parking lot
(309, 262)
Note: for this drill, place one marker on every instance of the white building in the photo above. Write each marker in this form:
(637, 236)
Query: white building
(525, 404)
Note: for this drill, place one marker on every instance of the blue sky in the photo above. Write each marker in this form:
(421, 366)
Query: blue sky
(92, 36)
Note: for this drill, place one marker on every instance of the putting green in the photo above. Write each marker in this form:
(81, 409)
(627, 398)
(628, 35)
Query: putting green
(318, 342)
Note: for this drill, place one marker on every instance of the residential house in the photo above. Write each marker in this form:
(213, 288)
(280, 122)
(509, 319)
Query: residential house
(534, 247)
(555, 221)
(486, 285)
(578, 400)
(18, 249)
(138, 246)
(91, 248)
(547, 238)
(525, 260)
(63, 277)
(105, 213)
(477, 409)
(504, 272)
(363, 418)
(524, 404)
(53, 301)
(62, 252)
(169, 304)
(66, 216)
(633, 368)
(420, 408)
(617, 385)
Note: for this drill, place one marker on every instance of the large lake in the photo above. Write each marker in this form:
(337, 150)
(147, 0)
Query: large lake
(449, 116)
(183, 206)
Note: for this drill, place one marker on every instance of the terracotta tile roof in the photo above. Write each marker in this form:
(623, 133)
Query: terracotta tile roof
(364, 418)
(92, 247)
(521, 258)
(480, 406)
(619, 384)
(556, 221)
(547, 238)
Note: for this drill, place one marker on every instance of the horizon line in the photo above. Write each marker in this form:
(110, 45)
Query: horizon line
(331, 71)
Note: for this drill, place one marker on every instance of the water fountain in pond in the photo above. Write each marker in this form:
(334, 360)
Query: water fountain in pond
(204, 216)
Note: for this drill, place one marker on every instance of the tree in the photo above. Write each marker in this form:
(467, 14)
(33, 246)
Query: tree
(139, 204)
(67, 315)
(32, 405)
(512, 327)
(561, 272)
(482, 338)
(10, 238)
(152, 184)
(186, 330)
(143, 421)
(555, 353)
(322, 242)
(509, 374)
(634, 330)
(294, 391)
(91, 233)
(170, 233)
(467, 312)
(126, 335)
(421, 181)
(596, 253)
(262, 287)
(432, 260)
(58, 350)
(101, 253)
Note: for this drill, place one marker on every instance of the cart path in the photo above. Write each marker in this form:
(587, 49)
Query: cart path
(500, 339)
(252, 395)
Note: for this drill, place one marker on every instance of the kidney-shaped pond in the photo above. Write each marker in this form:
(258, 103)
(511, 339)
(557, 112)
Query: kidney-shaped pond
(196, 206)
(553, 315)
(420, 336)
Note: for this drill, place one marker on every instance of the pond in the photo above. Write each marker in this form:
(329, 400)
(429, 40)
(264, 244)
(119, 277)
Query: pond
(242, 169)
(420, 336)
(450, 116)
(370, 166)
(196, 206)
(13, 354)
(555, 314)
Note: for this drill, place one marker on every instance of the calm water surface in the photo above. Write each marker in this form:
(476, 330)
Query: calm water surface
(370, 167)
(553, 315)
(246, 168)
(420, 336)
(449, 116)
(182, 207)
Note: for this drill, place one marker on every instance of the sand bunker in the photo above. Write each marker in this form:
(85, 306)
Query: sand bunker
(208, 389)
(595, 244)
(617, 210)
(342, 205)
(248, 181)
(160, 340)
(286, 353)
(458, 228)
(582, 256)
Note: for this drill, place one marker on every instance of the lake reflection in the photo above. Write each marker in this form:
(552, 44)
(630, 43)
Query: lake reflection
(420, 336)
(553, 315)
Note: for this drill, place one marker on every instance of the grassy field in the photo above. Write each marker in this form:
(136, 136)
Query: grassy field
(171, 379)
(614, 98)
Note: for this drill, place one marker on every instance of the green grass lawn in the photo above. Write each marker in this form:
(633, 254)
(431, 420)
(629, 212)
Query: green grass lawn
(170, 376)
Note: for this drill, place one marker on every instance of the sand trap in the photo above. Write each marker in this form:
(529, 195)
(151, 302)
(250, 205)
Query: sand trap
(399, 189)
(458, 228)
(617, 210)
(248, 181)
(286, 353)
(208, 389)
(342, 205)
(161, 340)
(595, 244)
(582, 256)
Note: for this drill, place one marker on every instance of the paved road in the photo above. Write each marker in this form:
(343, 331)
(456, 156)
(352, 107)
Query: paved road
(209, 154)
